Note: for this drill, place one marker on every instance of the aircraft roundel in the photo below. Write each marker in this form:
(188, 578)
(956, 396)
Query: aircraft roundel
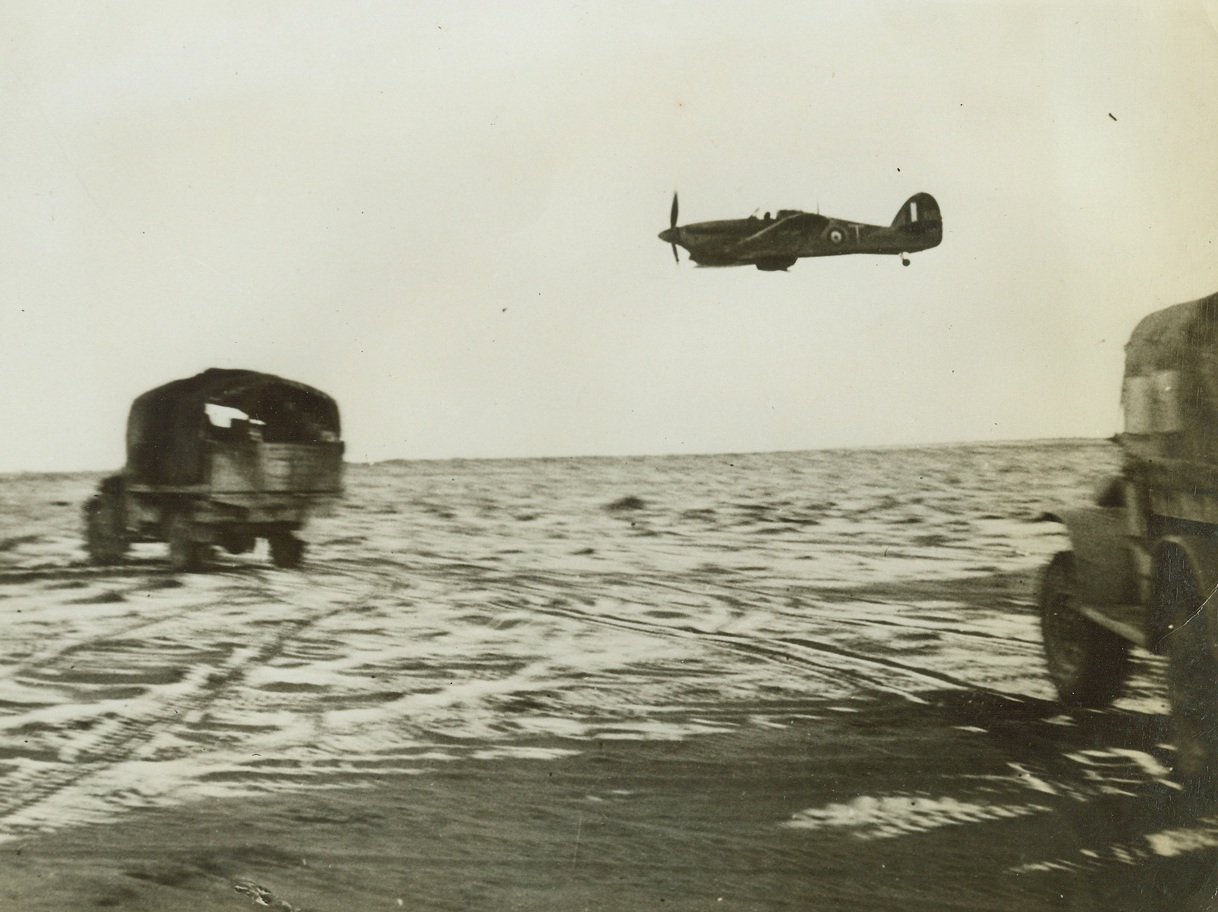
(836, 235)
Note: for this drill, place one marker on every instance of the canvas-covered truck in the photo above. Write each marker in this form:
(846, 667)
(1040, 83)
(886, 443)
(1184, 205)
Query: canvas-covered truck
(1143, 564)
(220, 459)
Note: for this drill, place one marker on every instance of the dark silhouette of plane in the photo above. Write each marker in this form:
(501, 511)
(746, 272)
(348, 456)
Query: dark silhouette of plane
(775, 243)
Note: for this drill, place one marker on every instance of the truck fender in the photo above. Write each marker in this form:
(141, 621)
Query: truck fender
(1201, 553)
(1200, 557)
(1104, 568)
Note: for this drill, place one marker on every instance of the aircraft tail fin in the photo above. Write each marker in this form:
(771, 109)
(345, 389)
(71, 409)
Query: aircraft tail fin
(920, 215)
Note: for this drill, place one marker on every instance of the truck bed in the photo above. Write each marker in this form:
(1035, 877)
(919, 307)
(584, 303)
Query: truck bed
(276, 468)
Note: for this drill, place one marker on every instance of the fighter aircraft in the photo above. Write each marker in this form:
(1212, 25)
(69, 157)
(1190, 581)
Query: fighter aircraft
(775, 242)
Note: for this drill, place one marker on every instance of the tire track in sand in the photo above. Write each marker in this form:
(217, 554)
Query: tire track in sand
(778, 602)
(154, 582)
(816, 655)
(36, 786)
(821, 658)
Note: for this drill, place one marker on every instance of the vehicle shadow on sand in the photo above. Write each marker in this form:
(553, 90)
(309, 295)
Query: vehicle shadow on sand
(1141, 841)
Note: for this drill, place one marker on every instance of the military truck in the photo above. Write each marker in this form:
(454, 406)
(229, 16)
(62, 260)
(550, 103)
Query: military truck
(1143, 564)
(220, 459)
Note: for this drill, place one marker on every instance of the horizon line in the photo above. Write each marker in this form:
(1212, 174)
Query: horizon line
(653, 455)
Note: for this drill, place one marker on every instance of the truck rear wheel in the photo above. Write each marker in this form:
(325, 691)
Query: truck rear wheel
(1087, 663)
(287, 551)
(1192, 676)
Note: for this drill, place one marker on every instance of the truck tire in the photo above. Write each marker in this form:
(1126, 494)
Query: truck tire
(185, 554)
(105, 537)
(1087, 663)
(237, 540)
(1192, 676)
(287, 551)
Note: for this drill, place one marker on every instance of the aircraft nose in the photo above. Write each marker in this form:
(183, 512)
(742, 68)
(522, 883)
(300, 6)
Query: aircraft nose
(668, 235)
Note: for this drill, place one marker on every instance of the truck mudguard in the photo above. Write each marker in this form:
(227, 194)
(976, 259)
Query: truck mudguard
(1105, 574)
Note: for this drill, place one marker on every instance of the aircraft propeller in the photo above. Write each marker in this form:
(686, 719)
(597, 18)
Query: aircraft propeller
(672, 224)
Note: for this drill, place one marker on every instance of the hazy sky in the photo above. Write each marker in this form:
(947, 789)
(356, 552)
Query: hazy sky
(446, 216)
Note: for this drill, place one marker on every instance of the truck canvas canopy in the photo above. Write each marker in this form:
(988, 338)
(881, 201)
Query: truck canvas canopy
(1170, 392)
(170, 428)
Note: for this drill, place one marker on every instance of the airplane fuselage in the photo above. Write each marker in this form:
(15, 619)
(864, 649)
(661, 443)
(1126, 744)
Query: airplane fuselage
(772, 243)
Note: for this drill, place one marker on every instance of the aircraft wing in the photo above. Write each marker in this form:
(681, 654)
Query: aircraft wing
(787, 235)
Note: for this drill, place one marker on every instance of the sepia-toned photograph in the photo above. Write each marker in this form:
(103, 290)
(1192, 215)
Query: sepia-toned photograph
(609, 456)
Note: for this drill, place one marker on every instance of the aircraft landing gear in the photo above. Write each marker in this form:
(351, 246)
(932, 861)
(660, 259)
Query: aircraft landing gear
(904, 260)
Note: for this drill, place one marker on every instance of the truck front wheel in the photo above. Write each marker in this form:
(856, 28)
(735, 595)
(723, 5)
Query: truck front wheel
(105, 537)
(1087, 663)
(237, 540)
(185, 554)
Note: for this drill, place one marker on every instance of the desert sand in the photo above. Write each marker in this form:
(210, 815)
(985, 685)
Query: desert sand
(783, 681)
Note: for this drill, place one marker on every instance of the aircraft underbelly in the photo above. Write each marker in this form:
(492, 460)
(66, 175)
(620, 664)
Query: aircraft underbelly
(712, 258)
